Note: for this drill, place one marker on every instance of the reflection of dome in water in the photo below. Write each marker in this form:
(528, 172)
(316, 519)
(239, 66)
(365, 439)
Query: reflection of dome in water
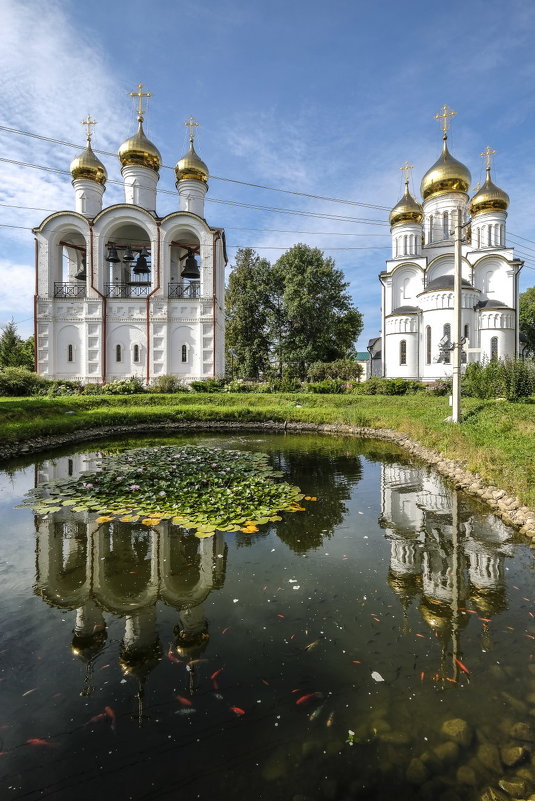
(405, 585)
(437, 615)
(87, 647)
(139, 662)
(489, 602)
(191, 645)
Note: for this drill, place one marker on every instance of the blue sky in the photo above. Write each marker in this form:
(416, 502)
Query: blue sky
(323, 99)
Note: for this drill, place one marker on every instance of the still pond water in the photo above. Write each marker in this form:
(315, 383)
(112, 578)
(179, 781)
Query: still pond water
(321, 658)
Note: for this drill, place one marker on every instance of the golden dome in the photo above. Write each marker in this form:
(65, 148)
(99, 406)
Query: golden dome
(407, 210)
(139, 151)
(446, 175)
(489, 198)
(87, 165)
(191, 166)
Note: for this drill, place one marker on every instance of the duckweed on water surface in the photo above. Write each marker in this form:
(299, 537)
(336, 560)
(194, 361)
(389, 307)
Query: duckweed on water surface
(197, 488)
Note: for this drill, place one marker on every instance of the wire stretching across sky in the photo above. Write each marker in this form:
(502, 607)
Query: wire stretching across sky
(274, 209)
(212, 177)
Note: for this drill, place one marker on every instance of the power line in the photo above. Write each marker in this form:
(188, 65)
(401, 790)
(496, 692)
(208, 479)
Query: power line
(286, 231)
(212, 177)
(279, 247)
(274, 209)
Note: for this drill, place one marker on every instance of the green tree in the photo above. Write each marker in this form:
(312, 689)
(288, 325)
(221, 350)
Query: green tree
(247, 312)
(527, 317)
(315, 319)
(14, 351)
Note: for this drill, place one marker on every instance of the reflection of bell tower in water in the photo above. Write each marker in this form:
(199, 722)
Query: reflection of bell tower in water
(442, 553)
(124, 570)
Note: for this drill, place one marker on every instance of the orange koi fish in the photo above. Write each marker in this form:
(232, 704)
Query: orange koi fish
(311, 645)
(238, 711)
(216, 673)
(184, 701)
(172, 658)
(463, 667)
(111, 715)
(304, 698)
(225, 630)
(96, 718)
(39, 741)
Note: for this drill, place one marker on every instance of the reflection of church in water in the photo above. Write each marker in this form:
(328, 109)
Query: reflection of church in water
(442, 553)
(125, 570)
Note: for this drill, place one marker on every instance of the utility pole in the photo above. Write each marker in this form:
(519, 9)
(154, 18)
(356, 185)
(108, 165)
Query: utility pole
(457, 320)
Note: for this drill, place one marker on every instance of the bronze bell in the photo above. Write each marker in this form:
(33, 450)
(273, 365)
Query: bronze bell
(112, 256)
(128, 255)
(141, 267)
(191, 268)
(81, 275)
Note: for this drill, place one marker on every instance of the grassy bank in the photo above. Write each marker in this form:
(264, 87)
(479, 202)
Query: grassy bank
(496, 439)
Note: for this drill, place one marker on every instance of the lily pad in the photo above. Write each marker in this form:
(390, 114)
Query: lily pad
(199, 489)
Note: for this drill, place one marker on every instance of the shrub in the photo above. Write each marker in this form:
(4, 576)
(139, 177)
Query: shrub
(329, 386)
(286, 384)
(168, 384)
(19, 381)
(126, 386)
(345, 369)
(518, 378)
(238, 385)
(444, 386)
(61, 388)
(208, 385)
(388, 386)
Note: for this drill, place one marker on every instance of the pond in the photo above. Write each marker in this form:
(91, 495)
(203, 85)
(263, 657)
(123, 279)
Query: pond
(380, 641)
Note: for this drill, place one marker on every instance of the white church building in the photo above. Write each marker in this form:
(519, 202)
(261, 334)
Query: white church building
(417, 284)
(121, 291)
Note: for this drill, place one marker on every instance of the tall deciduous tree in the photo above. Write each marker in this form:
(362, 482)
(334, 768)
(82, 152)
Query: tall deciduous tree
(318, 321)
(14, 351)
(247, 312)
(527, 316)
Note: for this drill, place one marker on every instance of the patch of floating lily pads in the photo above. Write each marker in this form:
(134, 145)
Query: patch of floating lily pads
(200, 489)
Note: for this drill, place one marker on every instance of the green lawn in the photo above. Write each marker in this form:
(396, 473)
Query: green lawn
(496, 439)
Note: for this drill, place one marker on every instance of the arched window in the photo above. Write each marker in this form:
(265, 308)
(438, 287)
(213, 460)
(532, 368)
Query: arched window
(447, 333)
(502, 235)
(430, 228)
(467, 331)
(396, 242)
(118, 353)
(428, 344)
(70, 353)
(489, 235)
(445, 225)
(184, 353)
(136, 353)
(494, 348)
(403, 351)
(405, 251)
(479, 238)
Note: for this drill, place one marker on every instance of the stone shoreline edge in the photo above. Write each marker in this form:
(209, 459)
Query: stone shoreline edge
(509, 508)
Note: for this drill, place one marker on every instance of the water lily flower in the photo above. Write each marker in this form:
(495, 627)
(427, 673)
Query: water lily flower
(134, 487)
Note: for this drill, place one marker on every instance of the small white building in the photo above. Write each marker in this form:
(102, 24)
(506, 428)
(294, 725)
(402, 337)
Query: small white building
(417, 284)
(122, 292)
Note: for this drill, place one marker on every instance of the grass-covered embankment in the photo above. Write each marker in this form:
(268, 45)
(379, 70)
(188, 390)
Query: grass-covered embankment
(496, 439)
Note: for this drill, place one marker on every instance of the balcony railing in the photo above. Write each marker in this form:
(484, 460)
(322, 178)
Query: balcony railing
(67, 290)
(126, 290)
(191, 290)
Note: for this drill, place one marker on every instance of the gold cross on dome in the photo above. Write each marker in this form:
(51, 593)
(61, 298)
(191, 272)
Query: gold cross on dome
(487, 155)
(191, 124)
(140, 94)
(88, 123)
(477, 187)
(406, 169)
(445, 117)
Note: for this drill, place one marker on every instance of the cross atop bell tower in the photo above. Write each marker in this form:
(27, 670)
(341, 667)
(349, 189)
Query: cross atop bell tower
(140, 94)
(445, 115)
